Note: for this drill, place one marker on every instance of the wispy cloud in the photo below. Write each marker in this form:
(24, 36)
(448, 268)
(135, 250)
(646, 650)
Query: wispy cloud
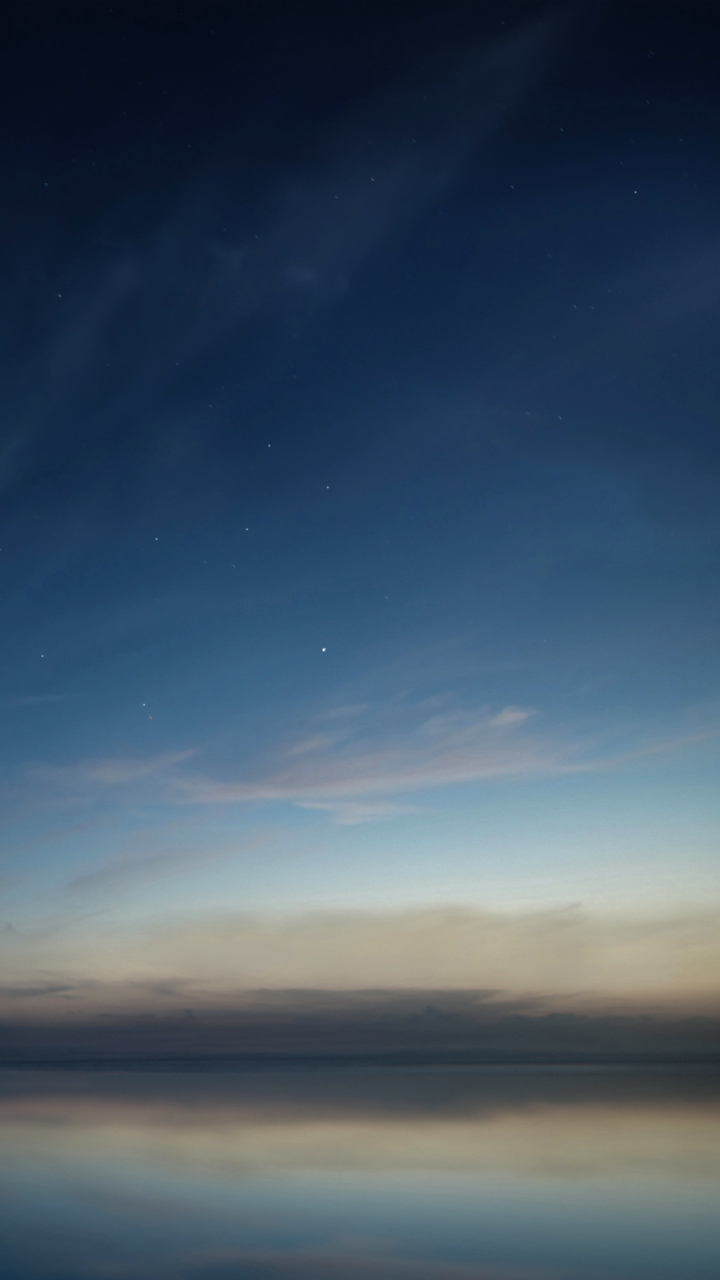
(341, 713)
(314, 743)
(511, 715)
(352, 812)
(26, 991)
(440, 750)
(367, 769)
(125, 872)
(111, 772)
(32, 700)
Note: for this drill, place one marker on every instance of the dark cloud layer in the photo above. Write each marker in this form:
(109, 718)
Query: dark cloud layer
(319, 1027)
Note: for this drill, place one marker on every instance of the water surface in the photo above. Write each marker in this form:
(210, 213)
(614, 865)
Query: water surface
(500, 1173)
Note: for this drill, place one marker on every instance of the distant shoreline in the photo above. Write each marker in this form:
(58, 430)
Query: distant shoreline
(284, 1062)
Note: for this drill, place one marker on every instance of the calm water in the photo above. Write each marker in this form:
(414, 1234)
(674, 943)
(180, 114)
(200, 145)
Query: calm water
(450, 1174)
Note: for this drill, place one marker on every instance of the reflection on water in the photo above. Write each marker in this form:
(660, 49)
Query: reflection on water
(451, 1174)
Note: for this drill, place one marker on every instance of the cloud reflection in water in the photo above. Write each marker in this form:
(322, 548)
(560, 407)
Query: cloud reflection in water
(490, 1174)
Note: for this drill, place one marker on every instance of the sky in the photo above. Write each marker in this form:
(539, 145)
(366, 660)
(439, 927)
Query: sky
(360, 502)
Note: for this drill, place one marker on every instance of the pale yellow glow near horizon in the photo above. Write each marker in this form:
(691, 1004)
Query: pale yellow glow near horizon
(564, 955)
